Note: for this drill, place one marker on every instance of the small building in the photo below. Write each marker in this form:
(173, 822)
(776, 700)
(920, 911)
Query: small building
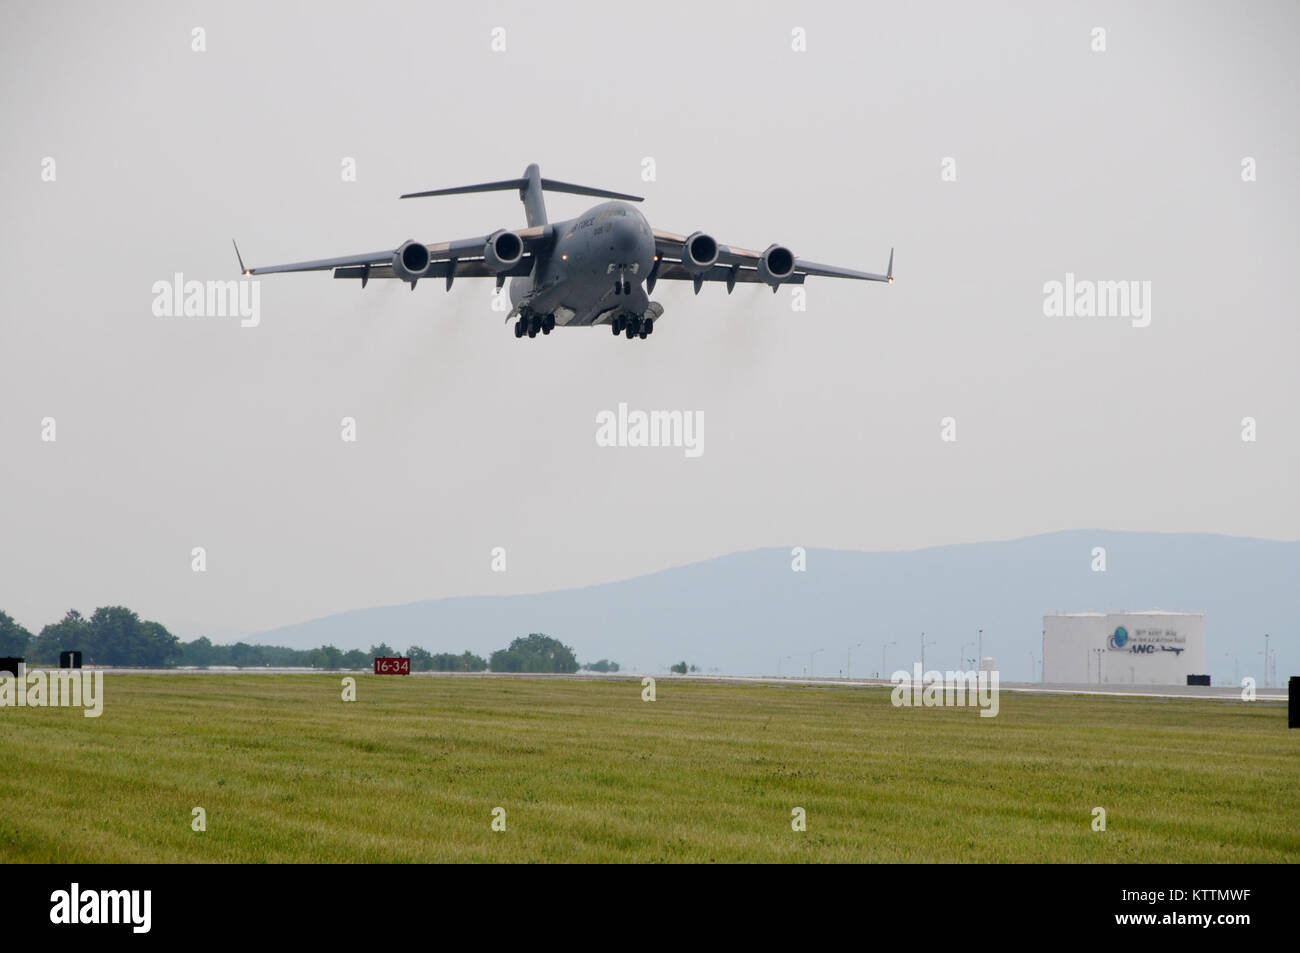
(1151, 647)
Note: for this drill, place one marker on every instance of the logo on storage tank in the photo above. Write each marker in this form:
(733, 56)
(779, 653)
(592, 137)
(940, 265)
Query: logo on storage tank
(1119, 638)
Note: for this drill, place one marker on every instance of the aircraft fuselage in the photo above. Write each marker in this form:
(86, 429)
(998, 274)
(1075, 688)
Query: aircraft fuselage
(595, 269)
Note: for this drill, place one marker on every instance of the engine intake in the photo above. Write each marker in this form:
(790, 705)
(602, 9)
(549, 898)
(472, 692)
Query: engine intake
(699, 252)
(775, 265)
(411, 260)
(502, 250)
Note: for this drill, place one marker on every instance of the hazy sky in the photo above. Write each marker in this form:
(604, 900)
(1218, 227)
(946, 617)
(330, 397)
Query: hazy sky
(822, 428)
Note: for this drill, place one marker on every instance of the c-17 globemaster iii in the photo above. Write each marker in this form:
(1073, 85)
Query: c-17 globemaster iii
(598, 268)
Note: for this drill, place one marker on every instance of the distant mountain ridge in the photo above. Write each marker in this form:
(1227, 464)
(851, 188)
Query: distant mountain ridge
(748, 613)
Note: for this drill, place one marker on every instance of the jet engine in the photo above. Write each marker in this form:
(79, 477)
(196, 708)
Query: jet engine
(502, 251)
(775, 265)
(699, 252)
(411, 260)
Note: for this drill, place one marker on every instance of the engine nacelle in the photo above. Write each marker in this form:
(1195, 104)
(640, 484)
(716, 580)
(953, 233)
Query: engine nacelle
(699, 252)
(775, 265)
(502, 251)
(411, 260)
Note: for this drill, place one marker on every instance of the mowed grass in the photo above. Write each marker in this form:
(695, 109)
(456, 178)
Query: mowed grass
(587, 771)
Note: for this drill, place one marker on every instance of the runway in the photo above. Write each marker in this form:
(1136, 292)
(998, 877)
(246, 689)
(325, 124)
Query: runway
(1212, 692)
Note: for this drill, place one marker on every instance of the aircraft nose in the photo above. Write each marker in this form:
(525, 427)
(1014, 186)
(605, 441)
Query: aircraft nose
(630, 243)
(623, 237)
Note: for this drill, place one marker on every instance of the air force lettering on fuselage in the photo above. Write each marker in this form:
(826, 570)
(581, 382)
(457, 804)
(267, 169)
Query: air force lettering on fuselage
(598, 268)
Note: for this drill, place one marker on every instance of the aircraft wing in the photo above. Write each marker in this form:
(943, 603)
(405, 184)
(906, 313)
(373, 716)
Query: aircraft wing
(461, 258)
(740, 265)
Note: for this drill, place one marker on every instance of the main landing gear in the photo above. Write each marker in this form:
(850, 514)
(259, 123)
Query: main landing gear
(633, 326)
(530, 324)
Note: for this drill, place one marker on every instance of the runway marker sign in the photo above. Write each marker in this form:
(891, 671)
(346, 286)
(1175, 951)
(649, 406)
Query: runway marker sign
(385, 665)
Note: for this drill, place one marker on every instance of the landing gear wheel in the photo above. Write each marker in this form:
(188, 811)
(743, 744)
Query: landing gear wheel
(613, 326)
(642, 333)
(548, 323)
(631, 332)
(627, 287)
(650, 327)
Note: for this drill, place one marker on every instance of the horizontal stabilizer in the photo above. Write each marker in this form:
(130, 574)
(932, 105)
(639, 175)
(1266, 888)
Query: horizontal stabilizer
(549, 185)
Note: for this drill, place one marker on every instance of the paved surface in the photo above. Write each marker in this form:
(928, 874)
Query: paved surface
(1217, 692)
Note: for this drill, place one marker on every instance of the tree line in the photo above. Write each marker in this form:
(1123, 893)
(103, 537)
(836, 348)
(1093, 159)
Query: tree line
(117, 636)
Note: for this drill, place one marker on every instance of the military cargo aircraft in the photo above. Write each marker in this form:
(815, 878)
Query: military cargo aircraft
(597, 269)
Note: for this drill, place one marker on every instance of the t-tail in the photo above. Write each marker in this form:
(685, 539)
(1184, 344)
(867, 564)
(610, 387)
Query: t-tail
(531, 186)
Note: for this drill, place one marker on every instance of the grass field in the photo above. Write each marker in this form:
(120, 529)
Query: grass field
(587, 771)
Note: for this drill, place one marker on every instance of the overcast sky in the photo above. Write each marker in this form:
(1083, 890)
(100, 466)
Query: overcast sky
(822, 427)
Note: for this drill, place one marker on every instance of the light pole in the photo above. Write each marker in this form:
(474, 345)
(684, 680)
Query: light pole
(979, 662)
(923, 645)
(1099, 655)
(883, 649)
(849, 667)
(811, 656)
(1033, 665)
(963, 653)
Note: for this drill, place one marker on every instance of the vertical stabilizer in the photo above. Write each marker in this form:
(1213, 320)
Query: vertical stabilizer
(531, 194)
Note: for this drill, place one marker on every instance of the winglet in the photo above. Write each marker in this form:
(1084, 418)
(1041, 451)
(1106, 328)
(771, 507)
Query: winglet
(889, 275)
(240, 259)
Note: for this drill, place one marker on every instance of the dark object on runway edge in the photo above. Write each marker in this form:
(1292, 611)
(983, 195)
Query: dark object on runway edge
(1293, 702)
(69, 660)
(10, 663)
(1198, 680)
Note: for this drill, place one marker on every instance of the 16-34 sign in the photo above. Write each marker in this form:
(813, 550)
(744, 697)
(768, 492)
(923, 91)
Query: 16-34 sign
(392, 666)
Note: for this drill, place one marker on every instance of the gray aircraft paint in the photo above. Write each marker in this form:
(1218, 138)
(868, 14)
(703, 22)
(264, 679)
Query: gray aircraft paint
(596, 268)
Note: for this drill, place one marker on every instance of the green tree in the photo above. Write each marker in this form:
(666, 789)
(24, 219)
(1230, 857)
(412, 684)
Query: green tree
(199, 653)
(71, 633)
(327, 657)
(604, 665)
(14, 639)
(120, 637)
(679, 668)
(449, 662)
(536, 653)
